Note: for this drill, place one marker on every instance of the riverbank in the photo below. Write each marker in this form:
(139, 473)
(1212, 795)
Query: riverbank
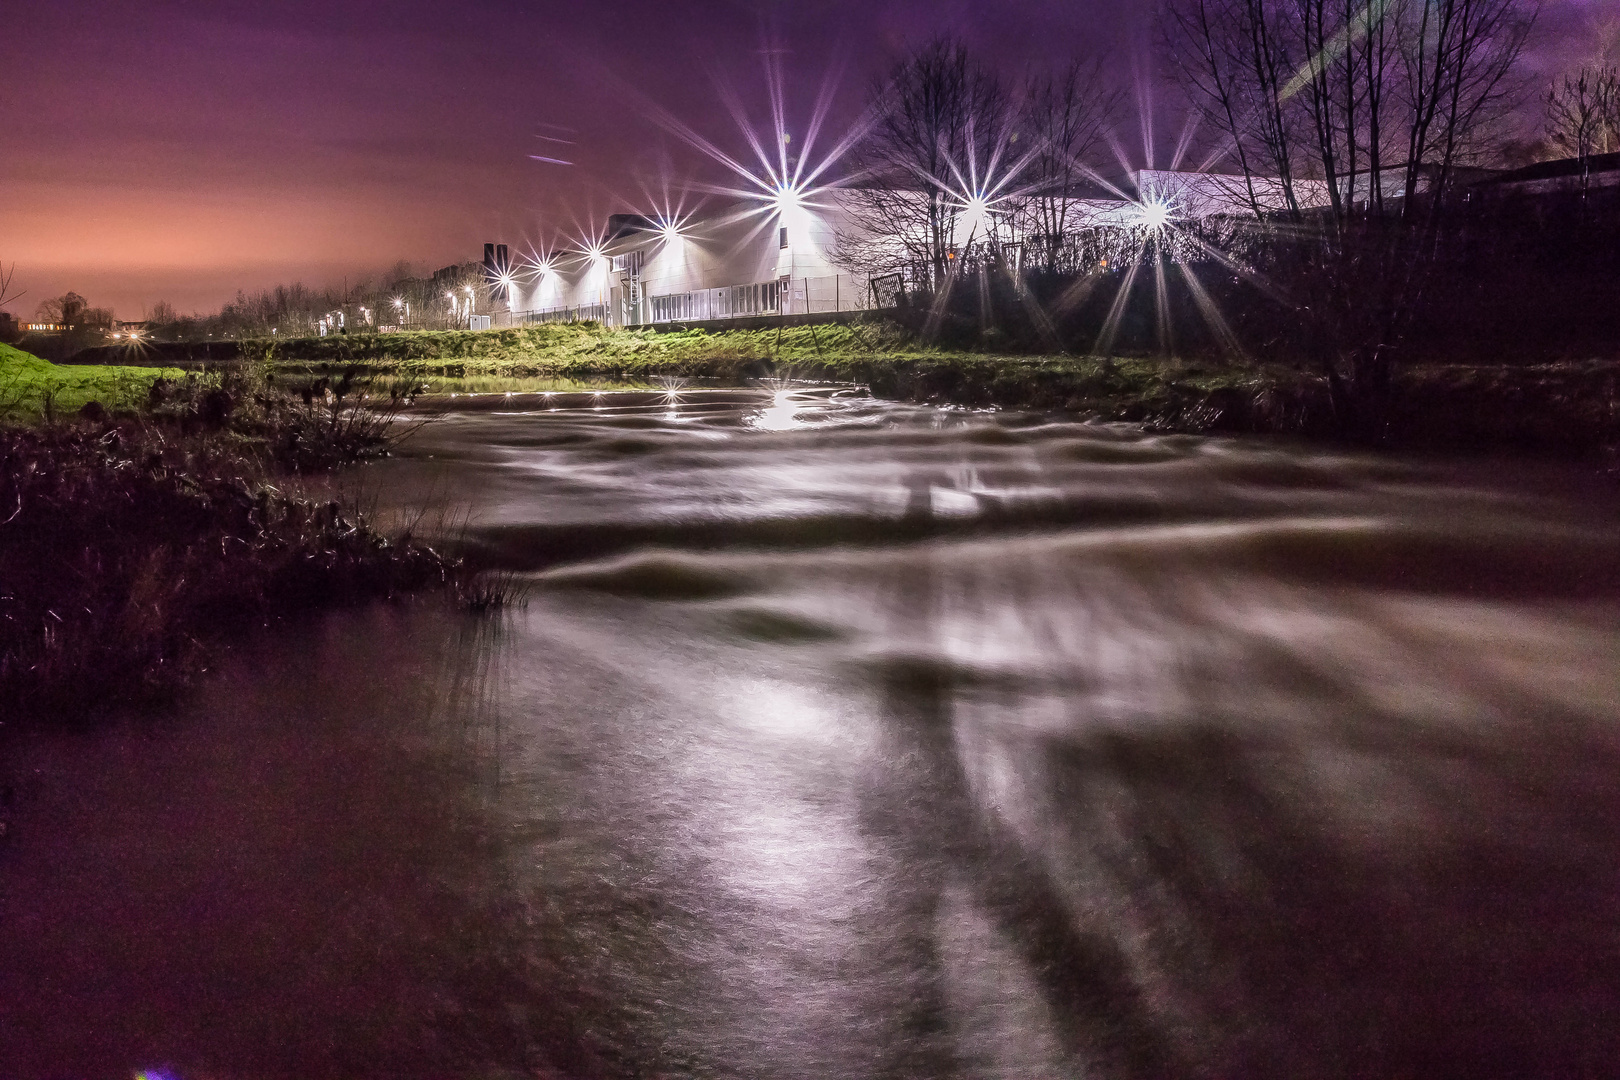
(1567, 409)
(133, 535)
(33, 387)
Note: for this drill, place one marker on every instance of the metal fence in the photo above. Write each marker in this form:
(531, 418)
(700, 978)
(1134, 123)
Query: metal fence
(582, 313)
(784, 296)
(727, 302)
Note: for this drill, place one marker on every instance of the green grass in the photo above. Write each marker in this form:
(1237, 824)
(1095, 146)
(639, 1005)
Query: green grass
(31, 387)
(1567, 408)
(879, 354)
(564, 349)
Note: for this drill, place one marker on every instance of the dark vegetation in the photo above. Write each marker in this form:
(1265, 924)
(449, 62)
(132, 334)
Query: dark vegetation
(130, 541)
(1517, 278)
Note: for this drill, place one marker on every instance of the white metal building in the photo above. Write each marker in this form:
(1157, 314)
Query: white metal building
(737, 261)
(754, 258)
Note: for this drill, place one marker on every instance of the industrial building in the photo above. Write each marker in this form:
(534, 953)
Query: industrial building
(778, 257)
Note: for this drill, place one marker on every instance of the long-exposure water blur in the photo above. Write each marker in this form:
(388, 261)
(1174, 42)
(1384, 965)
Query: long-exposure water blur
(844, 738)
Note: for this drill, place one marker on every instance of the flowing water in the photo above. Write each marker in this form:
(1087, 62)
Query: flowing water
(840, 738)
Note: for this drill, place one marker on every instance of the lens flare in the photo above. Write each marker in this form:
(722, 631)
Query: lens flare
(789, 170)
(1152, 212)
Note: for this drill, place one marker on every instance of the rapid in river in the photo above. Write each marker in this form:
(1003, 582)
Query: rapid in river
(840, 738)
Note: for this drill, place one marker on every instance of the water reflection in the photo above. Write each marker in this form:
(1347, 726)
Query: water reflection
(780, 415)
(890, 742)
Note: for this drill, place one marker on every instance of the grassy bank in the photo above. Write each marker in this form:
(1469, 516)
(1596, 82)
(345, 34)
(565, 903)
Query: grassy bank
(1568, 409)
(880, 355)
(31, 387)
(129, 541)
(575, 349)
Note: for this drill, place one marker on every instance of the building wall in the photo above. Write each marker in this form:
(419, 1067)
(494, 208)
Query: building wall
(730, 246)
(742, 245)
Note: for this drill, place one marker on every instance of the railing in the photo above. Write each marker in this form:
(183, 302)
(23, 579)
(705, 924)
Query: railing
(727, 302)
(785, 296)
(581, 313)
(819, 295)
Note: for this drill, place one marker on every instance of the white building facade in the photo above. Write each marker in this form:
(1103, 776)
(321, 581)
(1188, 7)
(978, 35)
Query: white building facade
(737, 262)
(778, 258)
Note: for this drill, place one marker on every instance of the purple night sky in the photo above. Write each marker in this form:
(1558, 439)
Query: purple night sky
(182, 150)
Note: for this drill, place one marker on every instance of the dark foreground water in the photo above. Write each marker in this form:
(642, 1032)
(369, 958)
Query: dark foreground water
(845, 739)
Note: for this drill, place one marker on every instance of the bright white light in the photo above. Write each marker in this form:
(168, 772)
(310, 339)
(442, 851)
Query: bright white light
(398, 303)
(1153, 212)
(782, 415)
(787, 197)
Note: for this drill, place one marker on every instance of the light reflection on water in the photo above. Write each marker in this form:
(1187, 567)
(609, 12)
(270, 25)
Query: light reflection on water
(871, 740)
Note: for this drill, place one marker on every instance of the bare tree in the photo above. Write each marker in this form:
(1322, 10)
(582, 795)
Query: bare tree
(1235, 58)
(8, 291)
(1360, 115)
(1583, 115)
(940, 117)
(66, 310)
(1065, 117)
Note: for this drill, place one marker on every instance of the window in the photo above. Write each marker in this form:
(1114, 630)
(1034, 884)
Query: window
(781, 237)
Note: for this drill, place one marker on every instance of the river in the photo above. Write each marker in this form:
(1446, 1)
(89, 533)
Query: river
(838, 738)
